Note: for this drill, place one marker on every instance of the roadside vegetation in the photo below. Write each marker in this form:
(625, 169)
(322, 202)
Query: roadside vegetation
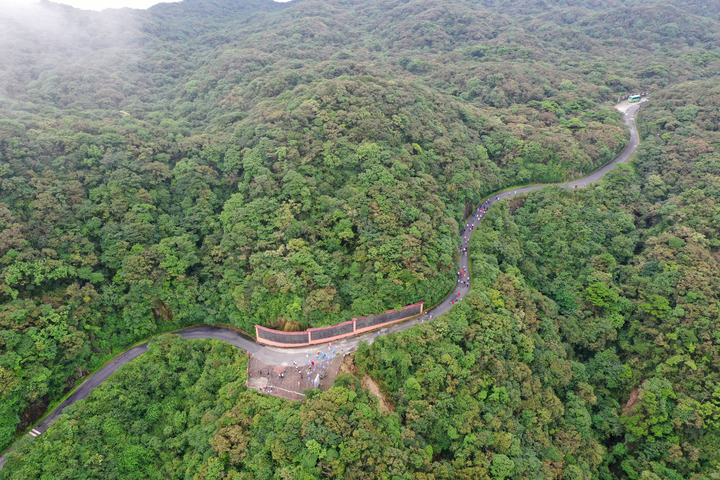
(297, 165)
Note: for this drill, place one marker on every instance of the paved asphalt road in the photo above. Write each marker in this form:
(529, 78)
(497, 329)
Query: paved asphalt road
(285, 356)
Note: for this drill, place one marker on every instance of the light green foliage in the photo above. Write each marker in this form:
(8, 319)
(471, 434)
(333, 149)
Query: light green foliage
(651, 415)
(502, 467)
(631, 323)
(656, 305)
(298, 164)
(182, 409)
(150, 414)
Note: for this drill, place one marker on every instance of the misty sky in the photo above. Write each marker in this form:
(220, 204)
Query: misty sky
(102, 4)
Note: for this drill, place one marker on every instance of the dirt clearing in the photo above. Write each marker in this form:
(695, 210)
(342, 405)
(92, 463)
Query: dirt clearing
(370, 384)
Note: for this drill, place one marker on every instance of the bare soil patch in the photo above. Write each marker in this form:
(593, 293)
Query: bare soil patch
(348, 365)
(516, 203)
(634, 398)
(292, 380)
(373, 387)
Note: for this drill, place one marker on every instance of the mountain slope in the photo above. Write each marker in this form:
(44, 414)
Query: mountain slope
(291, 165)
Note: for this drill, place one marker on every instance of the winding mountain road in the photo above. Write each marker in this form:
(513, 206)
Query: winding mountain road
(286, 356)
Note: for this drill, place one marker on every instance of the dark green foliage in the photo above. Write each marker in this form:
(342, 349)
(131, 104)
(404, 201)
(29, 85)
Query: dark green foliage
(624, 280)
(197, 163)
(152, 419)
(298, 164)
(181, 411)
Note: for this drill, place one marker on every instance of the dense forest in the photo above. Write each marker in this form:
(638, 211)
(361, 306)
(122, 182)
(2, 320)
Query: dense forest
(295, 165)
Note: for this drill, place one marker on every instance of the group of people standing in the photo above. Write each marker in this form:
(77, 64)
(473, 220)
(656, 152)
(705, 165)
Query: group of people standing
(463, 275)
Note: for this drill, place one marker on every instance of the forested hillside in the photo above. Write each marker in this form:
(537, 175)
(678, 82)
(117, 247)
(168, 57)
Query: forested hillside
(295, 165)
(589, 347)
